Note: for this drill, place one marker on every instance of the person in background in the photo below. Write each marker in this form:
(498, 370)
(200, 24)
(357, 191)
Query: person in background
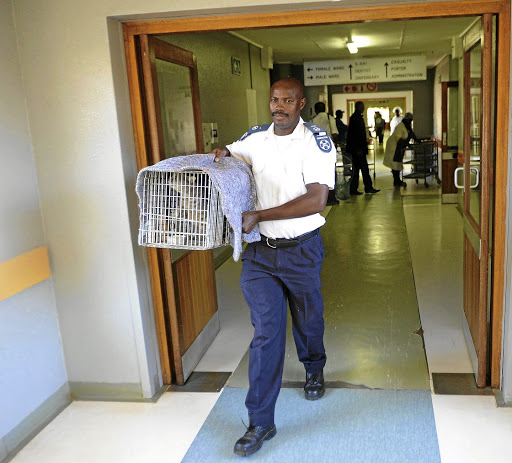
(395, 148)
(397, 118)
(357, 146)
(341, 127)
(380, 124)
(324, 120)
(292, 165)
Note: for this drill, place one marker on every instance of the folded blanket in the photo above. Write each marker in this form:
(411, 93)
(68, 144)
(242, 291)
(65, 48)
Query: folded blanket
(232, 178)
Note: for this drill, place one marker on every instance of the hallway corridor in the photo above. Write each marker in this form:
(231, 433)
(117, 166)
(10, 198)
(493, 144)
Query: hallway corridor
(392, 282)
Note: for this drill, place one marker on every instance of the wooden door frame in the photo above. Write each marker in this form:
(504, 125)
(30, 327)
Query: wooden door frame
(481, 33)
(299, 17)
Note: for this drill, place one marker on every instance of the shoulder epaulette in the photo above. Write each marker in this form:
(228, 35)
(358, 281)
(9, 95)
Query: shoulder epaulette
(322, 139)
(254, 129)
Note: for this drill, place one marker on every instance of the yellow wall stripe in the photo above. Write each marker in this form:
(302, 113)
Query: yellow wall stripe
(23, 271)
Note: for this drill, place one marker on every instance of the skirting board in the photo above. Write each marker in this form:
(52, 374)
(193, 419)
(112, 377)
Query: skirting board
(500, 399)
(469, 343)
(112, 392)
(25, 431)
(449, 198)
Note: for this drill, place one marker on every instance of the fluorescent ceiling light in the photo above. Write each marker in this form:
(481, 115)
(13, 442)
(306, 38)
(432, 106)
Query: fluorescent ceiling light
(361, 41)
(352, 47)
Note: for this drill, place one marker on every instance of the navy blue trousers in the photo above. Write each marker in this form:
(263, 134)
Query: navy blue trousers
(272, 279)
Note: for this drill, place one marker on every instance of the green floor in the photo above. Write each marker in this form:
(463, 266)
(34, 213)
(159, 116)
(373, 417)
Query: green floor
(372, 334)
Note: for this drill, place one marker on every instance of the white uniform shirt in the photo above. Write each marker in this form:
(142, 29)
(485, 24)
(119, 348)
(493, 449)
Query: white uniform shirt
(282, 171)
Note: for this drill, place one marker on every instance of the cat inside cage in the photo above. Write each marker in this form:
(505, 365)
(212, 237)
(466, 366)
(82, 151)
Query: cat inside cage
(182, 210)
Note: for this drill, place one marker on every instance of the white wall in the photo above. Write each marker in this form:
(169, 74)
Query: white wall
(507, 322)
(67, 69)
(31, 357)
(442, 75)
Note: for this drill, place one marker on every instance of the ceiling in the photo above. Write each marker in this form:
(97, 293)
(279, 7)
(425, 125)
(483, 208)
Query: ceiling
(430, 37)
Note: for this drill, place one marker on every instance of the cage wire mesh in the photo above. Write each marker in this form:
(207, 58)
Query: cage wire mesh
(182, 210)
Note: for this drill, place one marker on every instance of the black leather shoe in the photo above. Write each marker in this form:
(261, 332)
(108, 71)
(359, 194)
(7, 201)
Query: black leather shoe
(253, 439)
(315, 386)
(373, 190)
(355, 193)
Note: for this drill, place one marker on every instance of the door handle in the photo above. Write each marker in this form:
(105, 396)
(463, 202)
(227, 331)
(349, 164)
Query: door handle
(455, 177)
(476, 170)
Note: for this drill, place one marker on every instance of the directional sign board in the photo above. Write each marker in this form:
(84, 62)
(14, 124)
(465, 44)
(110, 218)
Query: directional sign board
(391, 69)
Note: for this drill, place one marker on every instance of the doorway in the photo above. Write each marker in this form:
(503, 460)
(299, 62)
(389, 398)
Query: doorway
(346, 15)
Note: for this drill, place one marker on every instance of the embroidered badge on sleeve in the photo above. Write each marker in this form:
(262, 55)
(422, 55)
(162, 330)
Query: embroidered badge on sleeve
(323, 140)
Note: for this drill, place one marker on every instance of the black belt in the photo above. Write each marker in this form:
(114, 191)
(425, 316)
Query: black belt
(287, 242)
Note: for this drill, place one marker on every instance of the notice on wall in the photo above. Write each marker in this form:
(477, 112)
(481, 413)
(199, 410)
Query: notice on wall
(390, 69)
(360, 88)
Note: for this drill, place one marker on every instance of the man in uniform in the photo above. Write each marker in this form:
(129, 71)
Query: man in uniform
(292, 166)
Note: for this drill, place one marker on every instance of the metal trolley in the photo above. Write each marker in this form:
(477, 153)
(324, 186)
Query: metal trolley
(343, 172)
(423, 161)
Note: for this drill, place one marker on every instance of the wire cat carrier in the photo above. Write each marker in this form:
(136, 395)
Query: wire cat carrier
(181, 210)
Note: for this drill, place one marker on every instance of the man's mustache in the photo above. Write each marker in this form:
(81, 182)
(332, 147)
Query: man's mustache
(275, 113)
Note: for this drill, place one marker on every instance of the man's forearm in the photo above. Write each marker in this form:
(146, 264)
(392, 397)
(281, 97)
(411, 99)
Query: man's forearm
(309, 203)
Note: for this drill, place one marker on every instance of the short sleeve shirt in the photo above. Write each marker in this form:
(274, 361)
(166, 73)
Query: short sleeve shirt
(282, 171)
(328, 123)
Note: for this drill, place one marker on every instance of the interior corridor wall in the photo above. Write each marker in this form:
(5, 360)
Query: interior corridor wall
(507, 322)
(442, 74)
(223, 94)
(32, 367)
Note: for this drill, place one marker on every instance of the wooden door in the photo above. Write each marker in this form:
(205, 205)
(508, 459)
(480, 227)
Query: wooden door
(183, 282)
(477, 210)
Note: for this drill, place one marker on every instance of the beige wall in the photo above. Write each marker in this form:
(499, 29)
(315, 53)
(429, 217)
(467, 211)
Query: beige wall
(223, 94)
(30, 343)
(442, 75)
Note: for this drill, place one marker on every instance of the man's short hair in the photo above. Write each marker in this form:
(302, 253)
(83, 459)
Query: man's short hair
(294, 81)
(319, 107)
(339, 112)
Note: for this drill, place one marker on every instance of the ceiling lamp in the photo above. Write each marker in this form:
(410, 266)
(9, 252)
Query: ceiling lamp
(352, 47)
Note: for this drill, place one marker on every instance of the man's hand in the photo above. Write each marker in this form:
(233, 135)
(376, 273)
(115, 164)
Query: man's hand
(311, 202)
(220, 153)
(249, 220)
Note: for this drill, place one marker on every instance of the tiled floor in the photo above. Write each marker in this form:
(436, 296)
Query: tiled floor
(470, 428)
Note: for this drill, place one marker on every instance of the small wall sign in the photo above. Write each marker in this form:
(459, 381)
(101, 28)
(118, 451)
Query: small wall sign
(236, 67)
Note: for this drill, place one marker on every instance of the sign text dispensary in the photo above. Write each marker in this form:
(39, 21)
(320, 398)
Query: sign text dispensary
(365, 70)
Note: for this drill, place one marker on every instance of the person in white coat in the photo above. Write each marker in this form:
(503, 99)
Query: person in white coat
(397, 118)
(395, 145)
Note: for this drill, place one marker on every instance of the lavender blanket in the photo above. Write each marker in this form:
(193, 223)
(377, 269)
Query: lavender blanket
(234, 181)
